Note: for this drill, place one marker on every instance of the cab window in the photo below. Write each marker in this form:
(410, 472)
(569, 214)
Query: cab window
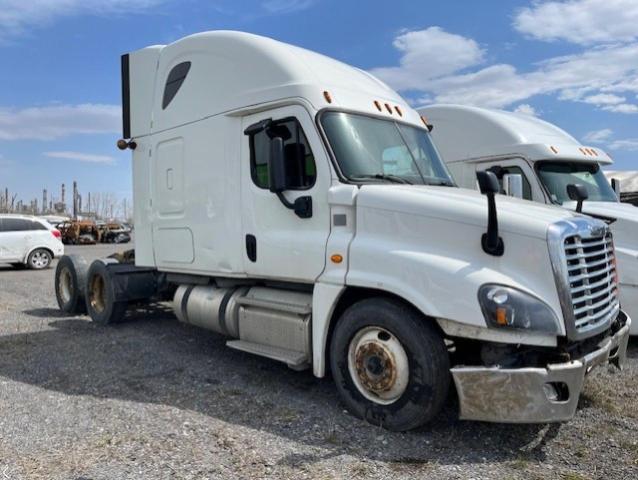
(300, 162)
(500, 171)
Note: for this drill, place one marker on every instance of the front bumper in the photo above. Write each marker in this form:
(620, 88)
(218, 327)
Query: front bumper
(522, 395)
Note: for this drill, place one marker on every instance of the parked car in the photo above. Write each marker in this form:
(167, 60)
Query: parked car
(30, 241)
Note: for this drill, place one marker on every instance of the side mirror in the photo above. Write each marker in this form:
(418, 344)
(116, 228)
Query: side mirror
(616, 186)
(513, 185)
(488, 183)
(278, 180)
(577, 192)
(277, 166)
(491, 242)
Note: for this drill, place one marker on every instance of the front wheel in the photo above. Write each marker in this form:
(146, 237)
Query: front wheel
(390, 365)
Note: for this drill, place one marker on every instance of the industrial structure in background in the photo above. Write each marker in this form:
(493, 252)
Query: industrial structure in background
(96, 206)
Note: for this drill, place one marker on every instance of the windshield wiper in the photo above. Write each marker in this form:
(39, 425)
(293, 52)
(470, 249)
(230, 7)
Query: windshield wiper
(440, 183)
(382, 176)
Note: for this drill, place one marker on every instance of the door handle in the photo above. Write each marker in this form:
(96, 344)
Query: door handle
(251, 247)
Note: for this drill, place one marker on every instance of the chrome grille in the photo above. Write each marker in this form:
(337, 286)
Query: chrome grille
(591, 274)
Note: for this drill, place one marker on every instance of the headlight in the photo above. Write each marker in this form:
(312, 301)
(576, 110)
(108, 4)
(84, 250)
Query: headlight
(507, 307)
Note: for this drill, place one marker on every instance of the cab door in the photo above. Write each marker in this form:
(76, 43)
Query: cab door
(279, 243)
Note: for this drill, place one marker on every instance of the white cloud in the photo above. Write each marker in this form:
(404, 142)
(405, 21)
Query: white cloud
(19, 16)
(598, 136)
(629, 145)
(428, 54)
(584, 22)
(58, 121)
(622, 108)
(286, 6)
(440, 75)
(82, 157)
(604, 99)
(526, 109)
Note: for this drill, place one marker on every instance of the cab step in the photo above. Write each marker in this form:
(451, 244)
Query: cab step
(294, 360)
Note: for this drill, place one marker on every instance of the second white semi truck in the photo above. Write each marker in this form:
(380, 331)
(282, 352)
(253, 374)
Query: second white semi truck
(549, 160)
(298, 206)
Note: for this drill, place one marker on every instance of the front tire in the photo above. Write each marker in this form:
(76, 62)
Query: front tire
(101, 303)
(39, 259)
(390, 365)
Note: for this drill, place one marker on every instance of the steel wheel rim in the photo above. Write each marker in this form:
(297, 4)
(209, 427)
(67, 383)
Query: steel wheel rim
(97, 292)
(65, 285)
(39, 259)
(378, 365)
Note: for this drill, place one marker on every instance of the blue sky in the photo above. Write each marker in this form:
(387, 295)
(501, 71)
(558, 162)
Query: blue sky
(573, 63)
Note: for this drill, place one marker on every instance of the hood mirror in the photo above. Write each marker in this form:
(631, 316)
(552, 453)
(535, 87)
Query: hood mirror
(578, 193)
(491, 242)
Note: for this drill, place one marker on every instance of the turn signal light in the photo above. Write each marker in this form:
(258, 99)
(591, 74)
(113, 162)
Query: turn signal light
(336, 258)
(326, 95)
(501, 316)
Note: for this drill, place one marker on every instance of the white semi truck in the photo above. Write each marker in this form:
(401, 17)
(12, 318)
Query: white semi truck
(297, 205)
(548, 159)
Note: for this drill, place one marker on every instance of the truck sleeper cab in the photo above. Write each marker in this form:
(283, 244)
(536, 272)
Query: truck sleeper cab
(298, 206)
(473, 139)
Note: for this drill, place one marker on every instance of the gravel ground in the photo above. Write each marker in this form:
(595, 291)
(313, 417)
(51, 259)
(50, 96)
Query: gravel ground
(152, 399)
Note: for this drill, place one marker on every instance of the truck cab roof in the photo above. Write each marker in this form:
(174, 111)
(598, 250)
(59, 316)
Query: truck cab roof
(463, 132)
(227, 72)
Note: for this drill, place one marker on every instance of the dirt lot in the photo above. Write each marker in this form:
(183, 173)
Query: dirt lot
(153, 399)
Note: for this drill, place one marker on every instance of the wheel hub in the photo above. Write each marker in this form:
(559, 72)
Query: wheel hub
(96, 293)
(378, 365)
(65, 285)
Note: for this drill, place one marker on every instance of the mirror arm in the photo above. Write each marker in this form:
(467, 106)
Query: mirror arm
(490, 241)
(302, 206)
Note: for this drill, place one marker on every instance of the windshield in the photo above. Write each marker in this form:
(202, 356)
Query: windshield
(372, 149)
(557, 175)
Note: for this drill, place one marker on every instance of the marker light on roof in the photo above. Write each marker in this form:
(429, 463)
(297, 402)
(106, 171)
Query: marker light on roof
(327, 96)
(388, 108)
(396, 107)
(377, 104)
(553, 149)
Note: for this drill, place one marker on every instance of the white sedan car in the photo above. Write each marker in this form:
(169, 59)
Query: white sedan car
(27, 240)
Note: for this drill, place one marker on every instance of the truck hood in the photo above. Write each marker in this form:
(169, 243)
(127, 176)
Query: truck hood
(625, 228)
(519, 217)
